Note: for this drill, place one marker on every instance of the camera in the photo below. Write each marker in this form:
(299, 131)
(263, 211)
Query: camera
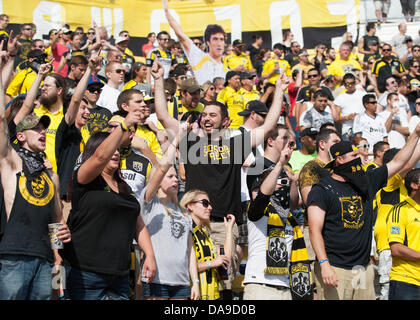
(283, 181)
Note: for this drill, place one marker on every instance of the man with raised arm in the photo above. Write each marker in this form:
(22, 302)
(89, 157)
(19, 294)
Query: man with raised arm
(205, 66)
(213, 156)
(31, 203)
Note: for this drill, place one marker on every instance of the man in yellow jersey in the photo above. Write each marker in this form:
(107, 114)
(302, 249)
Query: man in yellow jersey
(276, 65)
(343, 64)
(232, 86)
(205, 65)
(404, 240)
(379, 150)
(241, 98)
(4, 35)
(237, 60)
(127, 55)
(304, 64)
(133, 99)
(190, 97)
(162, 54)
(394, 193)
(53, 92)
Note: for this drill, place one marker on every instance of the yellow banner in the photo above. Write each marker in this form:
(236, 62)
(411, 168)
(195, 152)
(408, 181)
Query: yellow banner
(142, 17)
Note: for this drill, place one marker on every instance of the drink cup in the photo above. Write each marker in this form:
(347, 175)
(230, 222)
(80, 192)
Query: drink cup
(53, 230)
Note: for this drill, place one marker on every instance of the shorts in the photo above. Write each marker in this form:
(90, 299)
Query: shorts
(165, 291)
(382, 5)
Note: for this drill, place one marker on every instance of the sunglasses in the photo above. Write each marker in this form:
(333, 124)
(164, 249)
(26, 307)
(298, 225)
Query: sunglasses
(164, 39)
(204, 202)
(417, 103)
(386, 49)
(94, 90)
(416, 66)
(91, 32)
(349, 83)
(372, 102)
(363, 146)
(312, 75)
(119, 71)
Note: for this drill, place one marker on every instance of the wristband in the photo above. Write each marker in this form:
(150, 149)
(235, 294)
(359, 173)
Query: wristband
(323, 260)
(123, 126)
(195, 280)
(208, 264)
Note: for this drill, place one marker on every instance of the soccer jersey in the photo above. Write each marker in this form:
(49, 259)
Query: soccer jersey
(203, 66)
(239, 101)
(372, 129)
(394, 193)
(21, 82)
(150, 138)
(349, 103)
(51, 132)
(404, 227)
(232, 61)
(166, 58)
(340, 67)
(269, 66)
(227, 96)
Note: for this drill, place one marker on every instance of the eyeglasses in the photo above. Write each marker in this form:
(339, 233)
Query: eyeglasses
(312, 75)
(363, 146)
(95, 90)
(416, 50)
(204, 202)
(349, 83)
(46, 86)
(119, 71)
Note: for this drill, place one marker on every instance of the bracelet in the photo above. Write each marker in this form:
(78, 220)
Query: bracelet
(195, 280)
(208, 264)
(323, 260)
(123, 126)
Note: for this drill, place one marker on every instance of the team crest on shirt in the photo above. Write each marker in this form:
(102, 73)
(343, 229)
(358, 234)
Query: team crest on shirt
(138, 166)
(351, 212)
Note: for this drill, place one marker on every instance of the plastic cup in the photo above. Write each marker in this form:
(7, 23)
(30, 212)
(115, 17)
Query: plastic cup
(53, 230)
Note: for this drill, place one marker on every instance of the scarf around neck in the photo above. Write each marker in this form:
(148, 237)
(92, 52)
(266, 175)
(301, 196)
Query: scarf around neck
(298, 268)
(32, 162)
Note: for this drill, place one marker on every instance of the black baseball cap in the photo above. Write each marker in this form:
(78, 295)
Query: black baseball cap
(247, 75)
(339, 149)
(238, 43)
(229, 75)
(254, 105)
(308, 132)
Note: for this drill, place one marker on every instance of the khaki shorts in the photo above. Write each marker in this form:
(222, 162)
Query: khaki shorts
(382, 5)
(354, 284)
(257, 291)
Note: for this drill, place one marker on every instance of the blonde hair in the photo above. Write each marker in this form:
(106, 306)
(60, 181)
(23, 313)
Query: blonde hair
(190, 197)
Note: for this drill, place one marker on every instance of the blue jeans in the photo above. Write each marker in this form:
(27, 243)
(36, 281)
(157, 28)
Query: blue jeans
(85, 285)
(399, 290)
(25, 278)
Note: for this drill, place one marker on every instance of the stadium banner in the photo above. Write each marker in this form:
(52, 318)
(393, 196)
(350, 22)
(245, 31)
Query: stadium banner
(311, 21)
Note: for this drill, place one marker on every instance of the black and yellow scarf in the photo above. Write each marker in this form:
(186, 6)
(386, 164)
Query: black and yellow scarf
(298, 268)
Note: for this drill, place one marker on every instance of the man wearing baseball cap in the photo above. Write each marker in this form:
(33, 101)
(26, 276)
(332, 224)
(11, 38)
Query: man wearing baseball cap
(238, 60)
(276, 65)
(304, 64)
(190, 97)
(29, 206)
(340, 215)
(241, 98)
(232, 86)
(307, 152)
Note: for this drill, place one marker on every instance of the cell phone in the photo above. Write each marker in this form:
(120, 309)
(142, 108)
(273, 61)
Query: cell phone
(283, 181)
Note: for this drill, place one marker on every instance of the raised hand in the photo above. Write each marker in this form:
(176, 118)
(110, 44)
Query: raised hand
(95, 61)
(157, 70)
(13, 44)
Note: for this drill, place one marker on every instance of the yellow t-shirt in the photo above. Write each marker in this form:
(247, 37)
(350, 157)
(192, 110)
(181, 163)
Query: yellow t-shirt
(21, 82)
(150, 138)
(183, 109)
(340, 67)
(232, 61)
(404, 227)
(269, 66)
(239, 101)
(394, 193)
(226, 96)
(51, 132)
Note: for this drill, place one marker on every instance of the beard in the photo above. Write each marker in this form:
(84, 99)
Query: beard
(48, 101)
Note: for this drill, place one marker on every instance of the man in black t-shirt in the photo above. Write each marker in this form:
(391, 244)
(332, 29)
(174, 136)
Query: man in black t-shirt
(340, 214)
(78, 66)
(293, 56)
(213, 156)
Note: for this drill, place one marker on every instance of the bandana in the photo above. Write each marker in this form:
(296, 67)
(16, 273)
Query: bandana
(298, 268)
(32, 162)
(354, 173)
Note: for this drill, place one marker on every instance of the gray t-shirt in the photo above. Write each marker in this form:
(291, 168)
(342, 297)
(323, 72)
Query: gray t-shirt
(169, 235)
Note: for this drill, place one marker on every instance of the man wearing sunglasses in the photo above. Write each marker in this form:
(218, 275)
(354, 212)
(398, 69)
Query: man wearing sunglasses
(386, 67)
(115, 74)
(162, 54)
(25, 42)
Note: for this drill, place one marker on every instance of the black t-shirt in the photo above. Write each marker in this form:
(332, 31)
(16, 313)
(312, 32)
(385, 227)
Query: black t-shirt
(349, 220)
(102, 225)
(67, 150)
(292, 59)
(23, 50)
(415, 84)
(214, 166)
(71, 86)
(303, 93)
(253, 52)
(367, 39)
(98, 119)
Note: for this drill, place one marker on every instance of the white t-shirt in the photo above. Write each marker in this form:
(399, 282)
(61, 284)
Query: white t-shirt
(169, 235)
(257, 247)
(403, 102)
(314, 119)
(350, 103)
(372, 129)
(108, 98)
(414, 120)
(400, 119)
(203, 66)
